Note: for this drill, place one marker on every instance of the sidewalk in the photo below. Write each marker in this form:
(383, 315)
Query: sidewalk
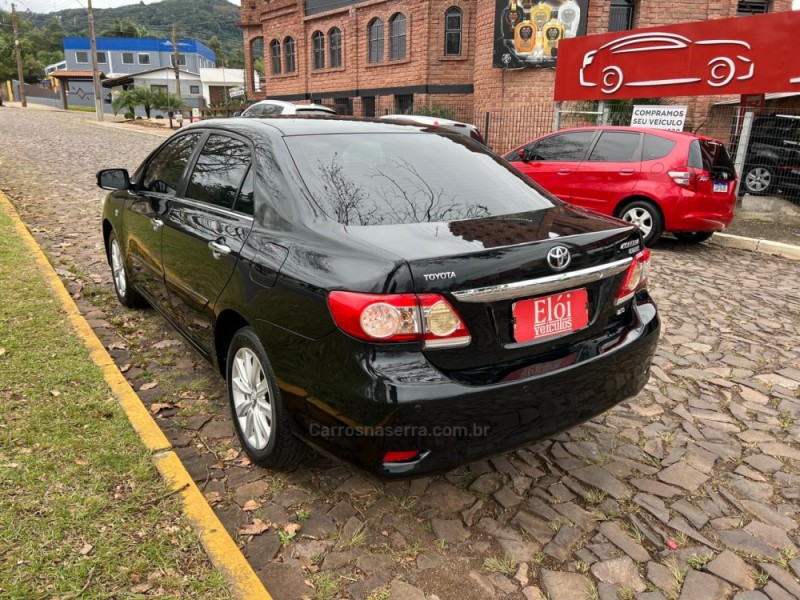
(82, 509)
(771, 218)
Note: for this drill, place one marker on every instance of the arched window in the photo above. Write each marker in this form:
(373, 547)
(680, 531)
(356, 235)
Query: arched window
(275, 56)
(397, 37)
(318, 47)
(453, 25)
(335, 47)
(375, 39)
(289, 60)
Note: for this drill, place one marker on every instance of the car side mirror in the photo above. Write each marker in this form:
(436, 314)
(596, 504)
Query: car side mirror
(238, 113)
(524, 155)
(113, 179)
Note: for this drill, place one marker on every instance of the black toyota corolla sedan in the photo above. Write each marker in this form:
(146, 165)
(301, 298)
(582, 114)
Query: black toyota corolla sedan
(394, 295)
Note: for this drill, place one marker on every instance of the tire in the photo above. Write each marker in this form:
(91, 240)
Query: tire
(759, 180)
(127, 296)
(259, 414)
(646, 216)
(693, 237)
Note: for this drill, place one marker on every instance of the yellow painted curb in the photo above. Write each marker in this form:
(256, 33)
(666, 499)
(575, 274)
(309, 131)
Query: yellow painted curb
(220, 547)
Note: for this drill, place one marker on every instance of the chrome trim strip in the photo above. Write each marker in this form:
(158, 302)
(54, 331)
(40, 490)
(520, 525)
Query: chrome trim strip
(543, 285)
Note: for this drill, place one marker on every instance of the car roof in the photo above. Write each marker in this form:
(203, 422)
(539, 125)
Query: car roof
(675, 135)
(290, 104)
(289, 125)
(425, 119)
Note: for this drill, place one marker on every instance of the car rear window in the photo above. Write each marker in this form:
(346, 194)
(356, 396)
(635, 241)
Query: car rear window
(711, 156)
(313, 111)
(399, 178)
(656, 147)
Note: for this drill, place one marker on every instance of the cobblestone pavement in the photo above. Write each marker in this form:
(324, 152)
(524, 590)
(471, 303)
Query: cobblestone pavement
(689, 490)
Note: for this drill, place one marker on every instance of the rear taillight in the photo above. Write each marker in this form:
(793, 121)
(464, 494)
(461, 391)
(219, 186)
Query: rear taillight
(427, 318)
(401, 456)
(636, 277)
(688, 177)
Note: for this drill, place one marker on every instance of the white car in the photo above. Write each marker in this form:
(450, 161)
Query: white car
(463, 128)
(279, 107)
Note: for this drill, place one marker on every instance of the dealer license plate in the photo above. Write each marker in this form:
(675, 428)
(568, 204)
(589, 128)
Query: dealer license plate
(549, 316)
(721, 186)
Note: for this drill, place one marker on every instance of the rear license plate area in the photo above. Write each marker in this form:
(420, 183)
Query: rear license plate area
(550, 316)
(721, 187)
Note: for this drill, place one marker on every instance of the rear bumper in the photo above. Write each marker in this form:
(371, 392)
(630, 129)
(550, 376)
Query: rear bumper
(695, 212)
(451, 424)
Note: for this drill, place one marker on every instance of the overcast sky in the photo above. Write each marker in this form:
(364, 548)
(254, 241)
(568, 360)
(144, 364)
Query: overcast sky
(42, 6)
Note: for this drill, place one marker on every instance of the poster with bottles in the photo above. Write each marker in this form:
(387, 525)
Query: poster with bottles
(528, 32)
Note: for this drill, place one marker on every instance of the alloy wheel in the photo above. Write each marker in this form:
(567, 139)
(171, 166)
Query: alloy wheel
(641, 218)
(118, 268)
(252, 398)
(758, 179)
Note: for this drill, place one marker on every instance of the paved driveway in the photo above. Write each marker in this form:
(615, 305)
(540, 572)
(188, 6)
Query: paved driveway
(689, 490)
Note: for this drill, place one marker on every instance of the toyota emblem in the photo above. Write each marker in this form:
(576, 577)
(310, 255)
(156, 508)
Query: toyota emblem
(559, 258)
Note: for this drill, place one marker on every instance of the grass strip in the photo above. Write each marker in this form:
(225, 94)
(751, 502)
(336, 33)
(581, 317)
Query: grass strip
(83, 510)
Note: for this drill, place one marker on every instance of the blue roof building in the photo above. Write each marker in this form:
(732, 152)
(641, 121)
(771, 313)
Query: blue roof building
(119, 56)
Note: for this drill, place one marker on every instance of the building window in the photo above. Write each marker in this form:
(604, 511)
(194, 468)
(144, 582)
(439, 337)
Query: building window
(82, 58)
(752, 7)
(159, 88)
(375, 38)
(404, 104)
(318, 46)
(335, 45)
(194, 89)
(289, 55)
(343, 106)
(275, 56)
(453, 24)
(181, 60)
(397, 37)
(101, 58)
(621, 16)
(127, 58)
(368, 106)
(144, 59)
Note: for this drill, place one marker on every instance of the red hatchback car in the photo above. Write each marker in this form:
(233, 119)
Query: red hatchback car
(659, 180)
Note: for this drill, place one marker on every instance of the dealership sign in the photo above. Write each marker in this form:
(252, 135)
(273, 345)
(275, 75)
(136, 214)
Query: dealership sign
(668, 117)
(530, 33)
(721, 56)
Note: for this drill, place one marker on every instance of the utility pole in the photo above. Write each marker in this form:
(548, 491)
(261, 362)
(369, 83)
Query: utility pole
(18, 50)
(98, 92)
(175, 60)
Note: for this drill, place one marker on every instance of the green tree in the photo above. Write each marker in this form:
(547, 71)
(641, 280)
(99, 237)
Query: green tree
(124, 28)
(167, 103)
(133, 97)
(125, 99)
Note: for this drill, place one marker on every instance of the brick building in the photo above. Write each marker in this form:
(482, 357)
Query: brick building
(373, 57)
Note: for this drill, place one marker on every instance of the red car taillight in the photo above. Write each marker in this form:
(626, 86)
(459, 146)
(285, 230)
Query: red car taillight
(688, 178)
(428, 318)
(636, 277)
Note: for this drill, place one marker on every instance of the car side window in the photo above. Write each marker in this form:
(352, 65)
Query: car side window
(219, 171)
(245, 199)
(562, 147)
(616, 146)
(656, 147)
(164, 172)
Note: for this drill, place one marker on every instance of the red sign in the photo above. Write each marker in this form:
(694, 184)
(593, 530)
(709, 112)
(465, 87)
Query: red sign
(743, 55)
(547, 316)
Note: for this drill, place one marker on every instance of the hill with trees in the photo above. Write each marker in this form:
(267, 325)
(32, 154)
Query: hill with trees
(212, 22)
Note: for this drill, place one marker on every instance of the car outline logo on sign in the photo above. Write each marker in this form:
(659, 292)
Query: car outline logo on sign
(559, 258)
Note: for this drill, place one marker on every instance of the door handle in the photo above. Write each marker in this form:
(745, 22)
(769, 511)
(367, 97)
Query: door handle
(218, 249)
(626, 172)
(564, 172)
(157, 224)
